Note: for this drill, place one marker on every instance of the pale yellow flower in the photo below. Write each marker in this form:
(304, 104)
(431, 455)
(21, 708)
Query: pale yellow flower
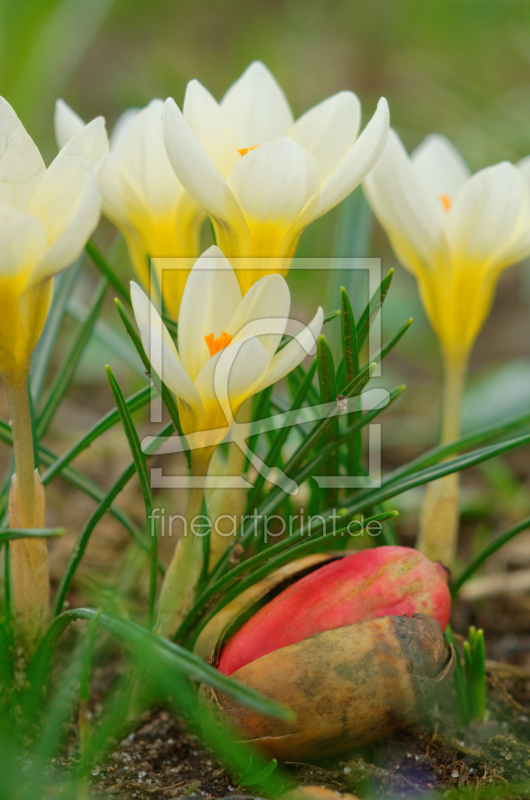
(261, 176)
(46, 217)
(142, 196)
(456, 232)
(227, 344)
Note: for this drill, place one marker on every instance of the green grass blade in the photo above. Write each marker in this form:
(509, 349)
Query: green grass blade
(459, 681)
(66, 373)
(107, 270)
(372, 309)
(78, 481)
(40, 360)
(279, 440)
(350, 360)
(139, 639)
(328, 393)
(83, 539)
(392, 342)
(134, 402)
(30, 533)
(487, 552)
(145, 486)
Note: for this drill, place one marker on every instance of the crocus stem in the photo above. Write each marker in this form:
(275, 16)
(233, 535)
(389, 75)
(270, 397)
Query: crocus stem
(440, 513)
(180, 582)
(29, 557)
(18, 399)
(454, 375)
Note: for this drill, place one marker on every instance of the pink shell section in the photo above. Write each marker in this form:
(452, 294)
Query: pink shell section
(379, 582)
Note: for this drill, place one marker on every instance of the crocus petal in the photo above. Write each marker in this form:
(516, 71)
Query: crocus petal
(486, 215)
(210, 298)
(161, 350)
(21, 164)
(66, 123)
(195, 169)
(210, 125)
(411, 215)
(263, 312)
(22, 245)
(328, 130)
(441, 166)
(118, 197)
(256, 107)
(67, 200)
(89, 141)
(274, 182)
(227, 379)
(144, 163)
(120, 129)
(294, 353)
(357, 163)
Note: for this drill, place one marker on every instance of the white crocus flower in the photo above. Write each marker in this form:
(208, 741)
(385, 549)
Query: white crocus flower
(142, 196)
(227, 352)
(227, 345)
(46, 217)
(456, 232)
(261, 176)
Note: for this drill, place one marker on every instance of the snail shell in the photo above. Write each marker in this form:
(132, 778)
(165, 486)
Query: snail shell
(347, 686)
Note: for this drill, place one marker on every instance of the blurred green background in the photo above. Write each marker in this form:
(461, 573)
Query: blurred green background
(459, 67)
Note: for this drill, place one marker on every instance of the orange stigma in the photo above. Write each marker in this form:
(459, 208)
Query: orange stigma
(445, 200)
(244, 150)
(215, 345)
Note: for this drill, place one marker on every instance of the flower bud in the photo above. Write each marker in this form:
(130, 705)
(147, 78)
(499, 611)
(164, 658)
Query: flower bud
(384, 581)
(348, 685)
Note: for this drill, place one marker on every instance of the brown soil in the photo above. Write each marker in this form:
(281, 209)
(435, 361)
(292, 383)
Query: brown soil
(160, 760)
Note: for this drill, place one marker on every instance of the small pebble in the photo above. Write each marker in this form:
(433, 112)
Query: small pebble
(95, 771)
(455, 774)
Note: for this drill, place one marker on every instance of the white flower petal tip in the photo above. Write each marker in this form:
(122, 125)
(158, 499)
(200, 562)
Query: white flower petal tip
(66, 123)
(260, 176)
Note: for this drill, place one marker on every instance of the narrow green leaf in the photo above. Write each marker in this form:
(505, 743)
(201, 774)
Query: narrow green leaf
(66, 373)
(279, 440)
(487, 552)
(385, 350)
(350, 361)
(329, 317)
(328, 393)
(354, 226)
(107, 270)
(139, 639)
(372, 309)
(79, 481)
(40, 360)
(134, 402)
(145, 486)
(81, 544)
(30, 533)
(459, 681)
